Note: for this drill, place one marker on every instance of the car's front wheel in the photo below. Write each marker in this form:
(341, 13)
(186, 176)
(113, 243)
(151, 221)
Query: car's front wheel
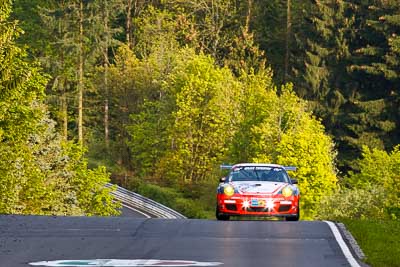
(221, 216)
(294, 218)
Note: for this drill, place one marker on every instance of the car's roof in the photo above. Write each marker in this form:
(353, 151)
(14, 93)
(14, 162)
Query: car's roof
(256, 165)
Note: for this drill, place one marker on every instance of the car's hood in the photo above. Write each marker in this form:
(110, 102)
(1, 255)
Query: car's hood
(258, 187)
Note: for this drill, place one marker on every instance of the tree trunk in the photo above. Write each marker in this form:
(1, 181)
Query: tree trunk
(288, 33)
(248, 16)
(129, 24)
(106, 63)
(80, 76)
(62, 83)
(64, 110)
(64, 103)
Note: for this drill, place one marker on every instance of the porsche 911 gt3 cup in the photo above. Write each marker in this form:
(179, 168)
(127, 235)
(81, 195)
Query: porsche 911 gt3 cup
(256, 189)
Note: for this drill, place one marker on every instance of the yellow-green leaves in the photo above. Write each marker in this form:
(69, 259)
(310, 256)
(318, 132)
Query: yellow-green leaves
(278, 128)
(306, 146)
(206, 116)
(38, 174)
(203, 116)
(371, 192)
(379, 170)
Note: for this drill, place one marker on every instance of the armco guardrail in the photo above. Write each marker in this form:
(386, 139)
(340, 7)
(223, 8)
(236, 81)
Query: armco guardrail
(144, 204)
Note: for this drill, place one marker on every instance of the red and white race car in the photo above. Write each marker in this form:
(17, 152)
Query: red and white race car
(257, 189)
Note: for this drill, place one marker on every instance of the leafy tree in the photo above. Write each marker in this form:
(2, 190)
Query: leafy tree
(371, 192)
(156, 32)
(218, 28)
(279, 129)
(305, 145)
(203, 114)
(88, 185)
(21, 87)
(135, 89)
(256, 99)
(149, 139)
(39, 175)
(379, 169)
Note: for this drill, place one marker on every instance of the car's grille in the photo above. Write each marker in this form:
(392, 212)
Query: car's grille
(257, 209)
(284, 208)
(230, 206)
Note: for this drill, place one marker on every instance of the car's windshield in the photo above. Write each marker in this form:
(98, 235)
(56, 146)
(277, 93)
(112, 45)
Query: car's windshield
(269, 174)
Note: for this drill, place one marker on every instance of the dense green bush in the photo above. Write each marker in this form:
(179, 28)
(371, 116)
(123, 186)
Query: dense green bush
(191, 208)
(372, 192)
(353, 204)
(163, 195)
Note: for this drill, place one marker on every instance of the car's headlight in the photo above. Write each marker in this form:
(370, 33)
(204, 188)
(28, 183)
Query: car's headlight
(229, 190)
(287, 191)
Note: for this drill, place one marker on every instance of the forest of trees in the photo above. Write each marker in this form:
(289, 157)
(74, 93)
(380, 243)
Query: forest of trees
(39, 172)
(162, 92)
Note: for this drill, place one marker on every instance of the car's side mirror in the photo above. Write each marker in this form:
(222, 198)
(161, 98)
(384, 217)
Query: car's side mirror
(222, 179)
(294, 181)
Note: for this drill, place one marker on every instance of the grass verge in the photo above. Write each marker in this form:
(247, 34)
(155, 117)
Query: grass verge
(379, 240)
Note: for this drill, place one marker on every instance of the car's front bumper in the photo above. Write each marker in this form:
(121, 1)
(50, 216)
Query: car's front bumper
(258, 205)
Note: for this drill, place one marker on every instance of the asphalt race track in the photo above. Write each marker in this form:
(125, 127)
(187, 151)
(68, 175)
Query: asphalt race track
(28, 239)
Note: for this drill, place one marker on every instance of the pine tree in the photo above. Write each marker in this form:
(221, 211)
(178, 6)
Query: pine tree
(280, 27)
(377, 62)
(336, 92)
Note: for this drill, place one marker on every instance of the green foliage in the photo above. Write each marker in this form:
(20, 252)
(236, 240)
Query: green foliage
(39, 174)
(343, 56)
(88, 185)
(307, 147)
(202, 117)
(148, 137)
(207, 116)
(173, 115)
(140, 101)
(48, 176)
(184, 130)
(371, 192)
(155, 31)
(357, 203)
(256, 101)
(191, 208)
(379, 169)
(21, 89)
(279, 129)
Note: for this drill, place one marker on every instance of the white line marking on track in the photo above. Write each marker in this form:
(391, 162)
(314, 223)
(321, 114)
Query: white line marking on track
(122, 263)
(138, 211)
(342, 244)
